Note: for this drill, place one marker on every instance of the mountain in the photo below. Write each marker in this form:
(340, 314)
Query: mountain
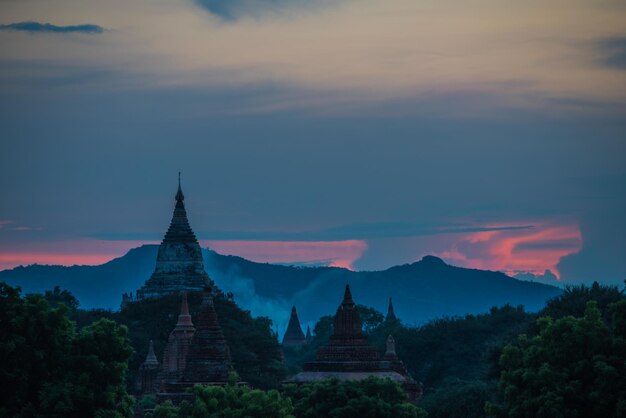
(421, 291)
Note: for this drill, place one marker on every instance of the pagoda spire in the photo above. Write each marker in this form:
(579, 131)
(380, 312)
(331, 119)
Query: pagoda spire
(293, 335)
(151, 358)
(391, 315)
(308, 336)
(179, 194)
(347, 296)
(184, 319)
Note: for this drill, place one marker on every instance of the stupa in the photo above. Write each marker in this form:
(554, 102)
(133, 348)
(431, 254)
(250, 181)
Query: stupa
(348, 356)
(179, 340)
(208, 359)
(147, 381)
(294, 337)
(179, 264)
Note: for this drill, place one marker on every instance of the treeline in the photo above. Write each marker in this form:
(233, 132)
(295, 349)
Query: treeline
(567, 360)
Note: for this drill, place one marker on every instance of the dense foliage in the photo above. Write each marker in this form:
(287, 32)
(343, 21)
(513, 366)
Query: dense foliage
(371, 397)
(230, 401)
(53, 370)
(573, 367)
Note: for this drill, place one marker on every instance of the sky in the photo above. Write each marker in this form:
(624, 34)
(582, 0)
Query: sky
(354, 133)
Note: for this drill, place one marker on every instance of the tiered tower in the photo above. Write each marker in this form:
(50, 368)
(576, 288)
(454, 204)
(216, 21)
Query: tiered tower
(175, 354)
(294, 337)
(349, 356)
(179, 265)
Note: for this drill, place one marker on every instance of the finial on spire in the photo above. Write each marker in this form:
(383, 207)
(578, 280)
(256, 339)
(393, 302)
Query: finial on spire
(179, 194)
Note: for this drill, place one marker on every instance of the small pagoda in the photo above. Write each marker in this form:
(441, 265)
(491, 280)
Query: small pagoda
(391, 315)
(178, 342)
(348, 356)
(294, 337)
(147, 379)
(179, 264)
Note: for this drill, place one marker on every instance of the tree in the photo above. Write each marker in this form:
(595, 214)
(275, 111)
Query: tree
(575, 367)
(55, 371)
(371, 397)
(231, 400)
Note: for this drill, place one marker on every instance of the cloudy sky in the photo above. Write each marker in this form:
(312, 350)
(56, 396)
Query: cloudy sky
(355, 133)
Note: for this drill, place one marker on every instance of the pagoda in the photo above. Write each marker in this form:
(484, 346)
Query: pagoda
(147, 381)
(294, 337)
(207, 360)
(179, 340)
(348, 355)
(179, 264)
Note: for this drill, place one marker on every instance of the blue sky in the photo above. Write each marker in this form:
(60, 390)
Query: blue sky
(357, 133)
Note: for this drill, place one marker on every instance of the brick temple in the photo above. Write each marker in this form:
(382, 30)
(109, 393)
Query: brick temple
(193, 355)
(349, 356)
(179, 265)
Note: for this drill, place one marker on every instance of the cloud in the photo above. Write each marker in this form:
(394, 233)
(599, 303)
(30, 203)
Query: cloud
(614, 51)
(233, 9)
(37, 27)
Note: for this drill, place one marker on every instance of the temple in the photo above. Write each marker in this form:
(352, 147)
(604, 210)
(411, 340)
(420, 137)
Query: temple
(349, 356)
(391, 315)
(178, 342)
(294, 336)
(207, 360)
(179, 264)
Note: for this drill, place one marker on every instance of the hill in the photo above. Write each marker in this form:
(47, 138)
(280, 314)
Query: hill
(423, 290)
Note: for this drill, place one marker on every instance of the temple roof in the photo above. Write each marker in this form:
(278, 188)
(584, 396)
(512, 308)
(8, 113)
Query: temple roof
(391, 315)
(294, 334)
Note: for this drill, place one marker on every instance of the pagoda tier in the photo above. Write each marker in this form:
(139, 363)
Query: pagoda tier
(294, 337)
(179, 265)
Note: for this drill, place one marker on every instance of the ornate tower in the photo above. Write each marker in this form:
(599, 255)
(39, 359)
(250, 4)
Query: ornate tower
(294, 336)
(175, 354)
(179, 265)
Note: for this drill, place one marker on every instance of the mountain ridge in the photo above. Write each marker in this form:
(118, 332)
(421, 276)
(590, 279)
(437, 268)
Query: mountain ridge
(421, 291)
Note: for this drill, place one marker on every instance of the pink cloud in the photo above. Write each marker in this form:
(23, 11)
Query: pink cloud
(512, 251)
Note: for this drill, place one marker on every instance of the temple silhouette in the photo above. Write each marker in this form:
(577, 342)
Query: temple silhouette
(179, 265)
(198, 353)
(348, 355)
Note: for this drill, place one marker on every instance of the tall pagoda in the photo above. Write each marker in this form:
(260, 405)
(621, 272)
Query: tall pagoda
(391, 315)
(348, 355)
(294, 337)
(179, 264)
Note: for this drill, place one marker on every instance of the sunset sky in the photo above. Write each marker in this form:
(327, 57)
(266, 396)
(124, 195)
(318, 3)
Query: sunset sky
(352, 133)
